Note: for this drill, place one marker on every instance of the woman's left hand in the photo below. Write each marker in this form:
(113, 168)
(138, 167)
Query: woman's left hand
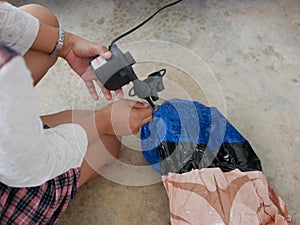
(79, 52)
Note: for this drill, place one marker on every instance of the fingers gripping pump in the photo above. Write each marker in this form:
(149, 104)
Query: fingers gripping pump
(117, 71)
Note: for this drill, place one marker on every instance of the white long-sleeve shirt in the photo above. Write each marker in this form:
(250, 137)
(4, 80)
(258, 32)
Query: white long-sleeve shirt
(29, 155)
(17, 28)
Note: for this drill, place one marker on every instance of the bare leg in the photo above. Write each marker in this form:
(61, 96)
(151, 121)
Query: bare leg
(99, 154)
(38, 62)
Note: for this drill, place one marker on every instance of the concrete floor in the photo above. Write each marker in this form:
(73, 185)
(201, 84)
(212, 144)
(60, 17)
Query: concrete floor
(241, 56)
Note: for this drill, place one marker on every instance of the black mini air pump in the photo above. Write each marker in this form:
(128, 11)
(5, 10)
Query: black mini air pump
(117, 71)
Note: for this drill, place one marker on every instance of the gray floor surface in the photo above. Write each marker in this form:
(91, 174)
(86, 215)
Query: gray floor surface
(240, 56)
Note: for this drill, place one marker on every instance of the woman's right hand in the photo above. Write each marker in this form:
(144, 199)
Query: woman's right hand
(125, 117)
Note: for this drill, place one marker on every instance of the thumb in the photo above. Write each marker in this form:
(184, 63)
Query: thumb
(101, 50)
(141, 105)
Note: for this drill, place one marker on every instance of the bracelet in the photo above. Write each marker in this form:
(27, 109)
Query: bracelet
(59, 43)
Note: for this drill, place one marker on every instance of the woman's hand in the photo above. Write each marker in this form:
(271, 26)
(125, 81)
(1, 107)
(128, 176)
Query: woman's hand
(90, 78)
(79, 52)
(125, 117)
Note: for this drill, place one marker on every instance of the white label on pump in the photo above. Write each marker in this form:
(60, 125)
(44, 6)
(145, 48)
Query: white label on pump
(96, 63)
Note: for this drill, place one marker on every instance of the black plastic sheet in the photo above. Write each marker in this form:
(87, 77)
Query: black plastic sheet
(186, 135)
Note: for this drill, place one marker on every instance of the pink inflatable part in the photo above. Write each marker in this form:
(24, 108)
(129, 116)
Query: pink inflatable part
(210, 196)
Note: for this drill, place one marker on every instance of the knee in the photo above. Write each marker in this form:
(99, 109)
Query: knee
(43, 14)
(99, 156)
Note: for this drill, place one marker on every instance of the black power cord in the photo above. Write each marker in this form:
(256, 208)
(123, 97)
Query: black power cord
(141, 24)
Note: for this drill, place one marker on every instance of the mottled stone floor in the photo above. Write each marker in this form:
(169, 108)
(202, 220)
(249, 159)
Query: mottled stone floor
(240, 56)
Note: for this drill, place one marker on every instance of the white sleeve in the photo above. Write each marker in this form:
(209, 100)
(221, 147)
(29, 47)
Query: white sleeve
(18, 29)
(29, 154)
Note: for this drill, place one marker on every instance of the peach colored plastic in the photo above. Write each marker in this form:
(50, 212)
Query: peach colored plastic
(212, 197)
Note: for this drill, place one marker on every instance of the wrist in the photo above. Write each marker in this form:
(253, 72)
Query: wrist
(67, 46)
(59, 43)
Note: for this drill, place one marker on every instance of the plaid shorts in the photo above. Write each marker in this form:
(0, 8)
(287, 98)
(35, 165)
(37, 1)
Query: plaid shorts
(38, 205)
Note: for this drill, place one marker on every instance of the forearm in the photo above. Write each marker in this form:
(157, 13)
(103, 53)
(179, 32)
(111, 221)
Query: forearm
(120, 118)
(47, 38)
(47, 34)
(94, 123)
